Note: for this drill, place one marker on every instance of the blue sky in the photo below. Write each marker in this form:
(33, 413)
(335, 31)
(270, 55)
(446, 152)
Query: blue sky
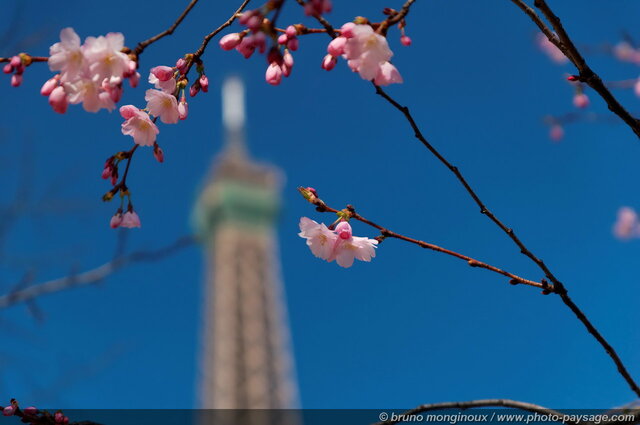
(411, 327)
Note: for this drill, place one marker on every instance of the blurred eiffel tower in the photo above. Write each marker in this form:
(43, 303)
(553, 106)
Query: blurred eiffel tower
(246, 362)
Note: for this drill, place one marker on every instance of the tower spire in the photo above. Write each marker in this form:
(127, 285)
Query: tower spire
(233, 117)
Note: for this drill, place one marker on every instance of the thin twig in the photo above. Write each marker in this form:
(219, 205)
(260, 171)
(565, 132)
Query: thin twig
(143, 44)
(386, 233)
(520, 405)
(586, 75)
(92, 276)
(208, 37)
(33, 59)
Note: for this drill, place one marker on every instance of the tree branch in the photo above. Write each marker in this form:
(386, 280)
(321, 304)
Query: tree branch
(586, 75)
(143, 44)
(528, 407)
(386, 233)
(94, 275)
(558, 287)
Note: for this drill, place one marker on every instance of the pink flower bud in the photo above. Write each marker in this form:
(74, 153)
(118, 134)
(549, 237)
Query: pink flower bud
(556, 133)
(183, 109)
(230, 41)
(580, 100)
(116, 220)
(30, 411)
(244, 18)
(158, 153)
(405, 40)
(291, 31)
(347, 30)
(343, 230)
(58, 417)
(194, 89)
(106, 172)
(8, 69)
(8, 411)
(16, 61)
(204, 83)
(329, 62)
(293, 44)
(132, 66)
(336, 47)
(181, 64)
(246, 47)
(130, 220)
(288, 59)
(273, 74)
(163, 73)
(58, 100)
(16, 80)
(134, 80)
(282, 39)
(254, 22)
(129, 111)
(48, 87)
(260, 41)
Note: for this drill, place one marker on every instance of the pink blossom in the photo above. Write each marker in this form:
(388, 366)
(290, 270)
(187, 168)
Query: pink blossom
(347, 30)
(550, 49)
(387, 74)
(66, 56)
(556, 133)
(329, 62)
(58, 100)
(339, 245)
(130, 220)
(7, 69)
(16, 80)
(85, 91)
(230, 41)
(291, 31)
(51, 84)
(627, 225)
(204, 83)
(163, 105)
(366, 51)
(580, 100)
(336, 47)
(273, 75)
(282, 39)
(293, 44)
(116, 220)
(183, 108)
(405, 40)
(139, 126)
(105, 57)
(167, 86)
(162, 73)
(319, 238)
(181, 64)
(246, 47)
(194, 89)
(8, 411)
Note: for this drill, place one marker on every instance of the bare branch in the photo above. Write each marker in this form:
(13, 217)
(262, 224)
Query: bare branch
(92, 276)
(566, 45)
(528, 407)
(143, 44)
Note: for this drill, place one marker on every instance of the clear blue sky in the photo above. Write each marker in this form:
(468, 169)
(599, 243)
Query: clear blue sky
(412, 326)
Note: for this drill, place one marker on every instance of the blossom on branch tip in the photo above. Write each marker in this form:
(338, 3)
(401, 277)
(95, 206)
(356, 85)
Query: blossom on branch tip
(167, 86)
(230, 41)
(339, 245)
(162, 105)
(387, 74)
(273, 75)
(9, 410)
(130, 219)
(138, 125)
(405, 40)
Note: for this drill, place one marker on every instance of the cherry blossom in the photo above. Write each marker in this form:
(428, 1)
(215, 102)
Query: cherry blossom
(367, 53)
(67, 56)
(138, 125)
(104, 56)
(319, 238)
(130, 219)
(162, 105)
(339, 245)
(627, 225)
(580, 100)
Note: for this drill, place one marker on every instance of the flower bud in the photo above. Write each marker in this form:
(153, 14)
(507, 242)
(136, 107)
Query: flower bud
(58, 100)
(291, 31)
(329, 62)
(230, 41)
(48, 86)
(116, 220)
(163, 73)
(204, 83)
(336, 47)
(405, 40)
(16, 80)
(8, 411)
(293, 44)
(273, 75)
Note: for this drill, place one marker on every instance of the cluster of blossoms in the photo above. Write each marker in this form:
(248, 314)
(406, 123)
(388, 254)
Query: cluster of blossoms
(338, 244)
(91, 73)
(16, 66)
(32, 415)
(366, 52)
(254, 37)
(627, 226)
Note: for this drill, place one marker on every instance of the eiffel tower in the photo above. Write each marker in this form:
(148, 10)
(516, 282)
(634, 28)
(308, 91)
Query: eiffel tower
(246, 362)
